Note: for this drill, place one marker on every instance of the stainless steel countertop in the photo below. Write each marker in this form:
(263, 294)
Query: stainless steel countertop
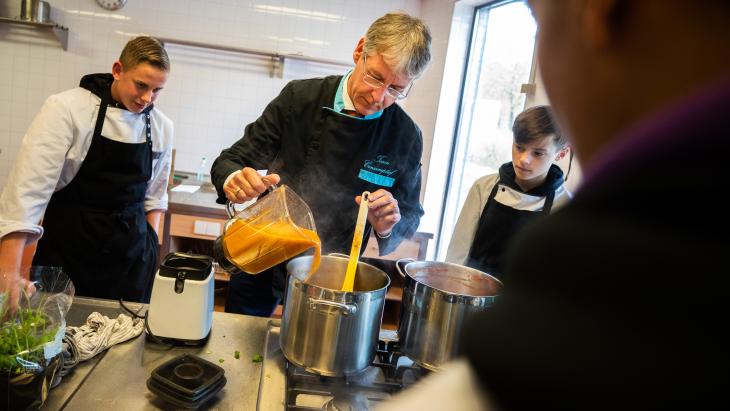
(272, 389)
(117, 379)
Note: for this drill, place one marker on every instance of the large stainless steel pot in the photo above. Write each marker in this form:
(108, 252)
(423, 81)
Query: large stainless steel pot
(437, 298)
(328, 331)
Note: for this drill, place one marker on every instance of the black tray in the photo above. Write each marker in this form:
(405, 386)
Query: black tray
(170, 396)
(188, 376)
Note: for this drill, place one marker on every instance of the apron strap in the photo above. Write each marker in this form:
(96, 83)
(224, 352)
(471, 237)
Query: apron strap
(490, 199)
(548, 202)
(100, 118)
(492, 194)
(148, 128)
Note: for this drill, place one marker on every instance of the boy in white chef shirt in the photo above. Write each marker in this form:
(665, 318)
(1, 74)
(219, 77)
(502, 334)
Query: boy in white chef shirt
(498, 205)
(94, 165)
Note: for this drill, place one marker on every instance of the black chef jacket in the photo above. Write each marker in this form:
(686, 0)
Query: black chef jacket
(328, 158)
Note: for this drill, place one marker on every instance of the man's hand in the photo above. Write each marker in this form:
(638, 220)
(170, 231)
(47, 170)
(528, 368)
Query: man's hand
(248, 184)
(383, 211)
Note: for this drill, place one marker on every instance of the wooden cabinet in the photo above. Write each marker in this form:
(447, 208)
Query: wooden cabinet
(182, 228)
(190, 226)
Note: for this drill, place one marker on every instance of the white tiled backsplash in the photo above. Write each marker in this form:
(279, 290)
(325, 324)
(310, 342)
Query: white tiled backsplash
(210, 95)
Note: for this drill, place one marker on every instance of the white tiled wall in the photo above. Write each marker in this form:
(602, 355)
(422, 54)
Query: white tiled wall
(210, 96)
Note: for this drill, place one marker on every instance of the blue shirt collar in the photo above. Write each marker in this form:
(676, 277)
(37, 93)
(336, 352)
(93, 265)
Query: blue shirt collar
(339, 103)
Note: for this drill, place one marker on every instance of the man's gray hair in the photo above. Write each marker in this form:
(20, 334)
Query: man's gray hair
(403, 41)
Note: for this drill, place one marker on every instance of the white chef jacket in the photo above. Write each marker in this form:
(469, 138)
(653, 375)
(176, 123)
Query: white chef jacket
(55, 145)
(468, 221)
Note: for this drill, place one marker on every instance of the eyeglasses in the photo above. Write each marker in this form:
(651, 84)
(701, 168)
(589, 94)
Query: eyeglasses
(375, 83)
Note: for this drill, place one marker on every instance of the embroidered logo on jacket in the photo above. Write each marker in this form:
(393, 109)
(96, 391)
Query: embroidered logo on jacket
(378, 171)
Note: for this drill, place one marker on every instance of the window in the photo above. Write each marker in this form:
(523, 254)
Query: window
(500, 60)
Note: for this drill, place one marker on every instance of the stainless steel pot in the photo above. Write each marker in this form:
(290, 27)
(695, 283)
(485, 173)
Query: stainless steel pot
(328, 331)
(35, 10)
(437, 298)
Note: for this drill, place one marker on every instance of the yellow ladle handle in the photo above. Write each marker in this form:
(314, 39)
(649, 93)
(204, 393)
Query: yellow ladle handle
(349, 284)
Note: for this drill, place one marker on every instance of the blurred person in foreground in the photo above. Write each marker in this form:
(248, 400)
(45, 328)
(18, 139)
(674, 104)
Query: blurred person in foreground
(618, 299)
(330, 139)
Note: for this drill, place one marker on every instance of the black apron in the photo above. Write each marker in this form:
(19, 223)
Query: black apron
(338, 147)
(96, 227)
(497, 225)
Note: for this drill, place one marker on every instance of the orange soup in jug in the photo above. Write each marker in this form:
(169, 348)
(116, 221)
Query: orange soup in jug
(254, 248)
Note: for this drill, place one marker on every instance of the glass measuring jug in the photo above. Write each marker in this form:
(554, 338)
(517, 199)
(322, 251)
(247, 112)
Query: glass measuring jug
(275, 228)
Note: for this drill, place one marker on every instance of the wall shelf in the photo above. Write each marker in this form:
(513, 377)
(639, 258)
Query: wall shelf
(277, 60)
(59, 31)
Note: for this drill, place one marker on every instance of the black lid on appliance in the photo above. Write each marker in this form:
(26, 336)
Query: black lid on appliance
(187, 380)
(196, 267)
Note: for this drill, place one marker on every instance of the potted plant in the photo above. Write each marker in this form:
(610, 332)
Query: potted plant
(30, 339)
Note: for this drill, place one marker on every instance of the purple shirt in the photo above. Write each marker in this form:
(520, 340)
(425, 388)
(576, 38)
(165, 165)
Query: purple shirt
(688, 121)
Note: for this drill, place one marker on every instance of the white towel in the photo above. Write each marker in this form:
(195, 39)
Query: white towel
(101, 332)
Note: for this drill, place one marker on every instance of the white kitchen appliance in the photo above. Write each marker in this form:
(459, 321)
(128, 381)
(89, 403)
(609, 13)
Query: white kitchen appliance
(181, 306)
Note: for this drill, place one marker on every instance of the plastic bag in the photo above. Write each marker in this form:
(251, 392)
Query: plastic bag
(31, 339)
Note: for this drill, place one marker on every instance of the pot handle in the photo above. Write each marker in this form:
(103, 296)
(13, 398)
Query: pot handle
(346, 309)
(402, 261)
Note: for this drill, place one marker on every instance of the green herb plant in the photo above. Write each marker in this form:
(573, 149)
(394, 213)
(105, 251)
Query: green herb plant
(22, 336)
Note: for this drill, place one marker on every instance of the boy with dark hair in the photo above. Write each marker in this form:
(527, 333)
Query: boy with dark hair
(94, 164)
(498, 205)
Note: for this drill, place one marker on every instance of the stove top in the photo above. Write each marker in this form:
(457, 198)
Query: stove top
(285, 386)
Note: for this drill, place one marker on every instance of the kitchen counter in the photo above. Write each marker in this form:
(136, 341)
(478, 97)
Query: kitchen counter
(116, 379)
(201, 201)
